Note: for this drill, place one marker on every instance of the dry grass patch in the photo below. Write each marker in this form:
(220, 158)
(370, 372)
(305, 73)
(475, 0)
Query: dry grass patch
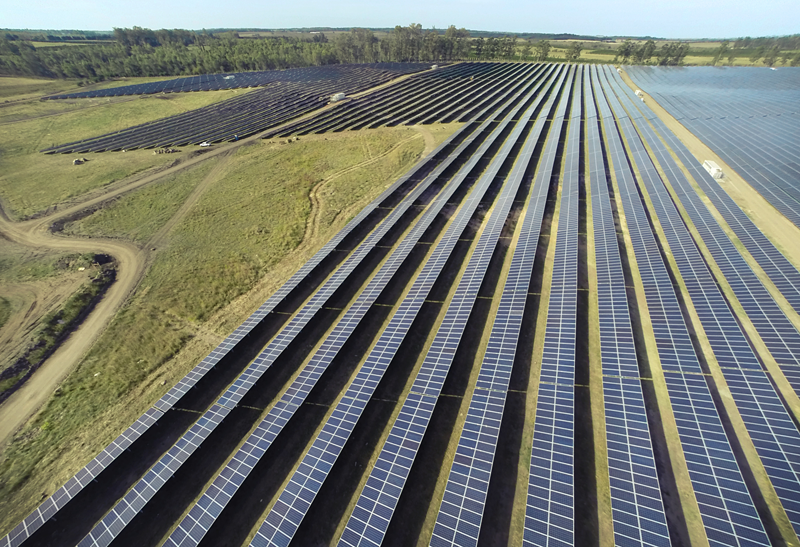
(31, 182)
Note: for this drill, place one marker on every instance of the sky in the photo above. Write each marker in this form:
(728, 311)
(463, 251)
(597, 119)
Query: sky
(679, 19)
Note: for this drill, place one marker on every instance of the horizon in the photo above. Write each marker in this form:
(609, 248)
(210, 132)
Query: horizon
(680, 20)
(346, 28)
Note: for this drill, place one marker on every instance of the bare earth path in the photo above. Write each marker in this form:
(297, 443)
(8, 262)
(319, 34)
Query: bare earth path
(32, 300)
(18, 408)
(132, 263)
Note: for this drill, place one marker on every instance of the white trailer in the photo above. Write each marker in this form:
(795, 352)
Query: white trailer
(713, 169)
(337, 97)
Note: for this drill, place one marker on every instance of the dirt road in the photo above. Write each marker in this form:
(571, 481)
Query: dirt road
(18, 408)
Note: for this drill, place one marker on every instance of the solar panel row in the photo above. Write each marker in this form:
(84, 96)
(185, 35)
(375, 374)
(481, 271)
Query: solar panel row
(739, 122)
(234, 80)
(465, 494)
(769, 421)
(376, 504)
(202, 515)
(782, 273)
(413, 95)
(549, 514)
(259, 110)
(418, 105)
(636, 507)
(725, 505)
(63, 495)
(243, 115)
(180, 452)
(776, 330)
(728, 513)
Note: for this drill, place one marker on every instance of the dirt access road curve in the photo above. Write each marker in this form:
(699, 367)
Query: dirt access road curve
(18, 408)
(132, 263)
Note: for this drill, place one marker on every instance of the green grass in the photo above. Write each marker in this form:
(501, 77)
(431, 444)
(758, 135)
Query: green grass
(56, 326)
(241, 230)
(139, 215)
(5, 311)
(247, 221)
(31, 182)
(12, 88)
(18, 263)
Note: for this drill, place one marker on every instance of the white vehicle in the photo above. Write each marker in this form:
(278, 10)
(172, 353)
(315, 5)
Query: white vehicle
(205, 143)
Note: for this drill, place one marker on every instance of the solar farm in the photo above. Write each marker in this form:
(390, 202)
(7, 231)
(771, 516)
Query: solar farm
(556, 329)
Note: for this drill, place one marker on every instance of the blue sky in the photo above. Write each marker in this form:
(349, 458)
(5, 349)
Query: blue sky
(672, 19)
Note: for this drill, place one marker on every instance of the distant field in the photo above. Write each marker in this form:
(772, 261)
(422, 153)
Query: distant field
(22, 88)
(31, 182)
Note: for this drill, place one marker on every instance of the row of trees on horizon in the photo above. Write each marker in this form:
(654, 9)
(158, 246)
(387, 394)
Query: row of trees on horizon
(143, 52)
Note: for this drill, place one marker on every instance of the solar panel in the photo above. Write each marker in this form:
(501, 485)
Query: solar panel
(52, 505)
(549, 516)
(461, 512)
(730, 346)
(198, 521)
(728, 513)
(636, 507)
(250, 79)
(179, 454)
(433, 94)
(375, 506)
(35, 520)
(778, 333)
(742, 114)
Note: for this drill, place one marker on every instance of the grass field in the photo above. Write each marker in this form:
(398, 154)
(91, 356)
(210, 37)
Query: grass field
(19, 264)
(243, 229)
(31, 182)
(137, 216)
(5, 311)
(21, 88)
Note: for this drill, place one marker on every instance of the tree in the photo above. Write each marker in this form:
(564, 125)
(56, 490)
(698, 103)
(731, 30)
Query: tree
(455, 44)
(625, 51)
(643, 52)
(672, 54)
(542, 50)
(525, 51)
(723, 48)
(574, 51)
(771, 56)
(509, 47)
(758, 54)
(479, 45)
(490, 49)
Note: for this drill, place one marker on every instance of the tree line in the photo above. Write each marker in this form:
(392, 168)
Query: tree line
(768, 51)
(139, 51)
(670, 54)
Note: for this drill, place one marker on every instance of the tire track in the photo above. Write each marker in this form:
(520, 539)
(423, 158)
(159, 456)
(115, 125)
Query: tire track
(313, 222)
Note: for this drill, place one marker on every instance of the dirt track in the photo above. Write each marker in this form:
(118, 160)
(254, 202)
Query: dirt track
(132, 263)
